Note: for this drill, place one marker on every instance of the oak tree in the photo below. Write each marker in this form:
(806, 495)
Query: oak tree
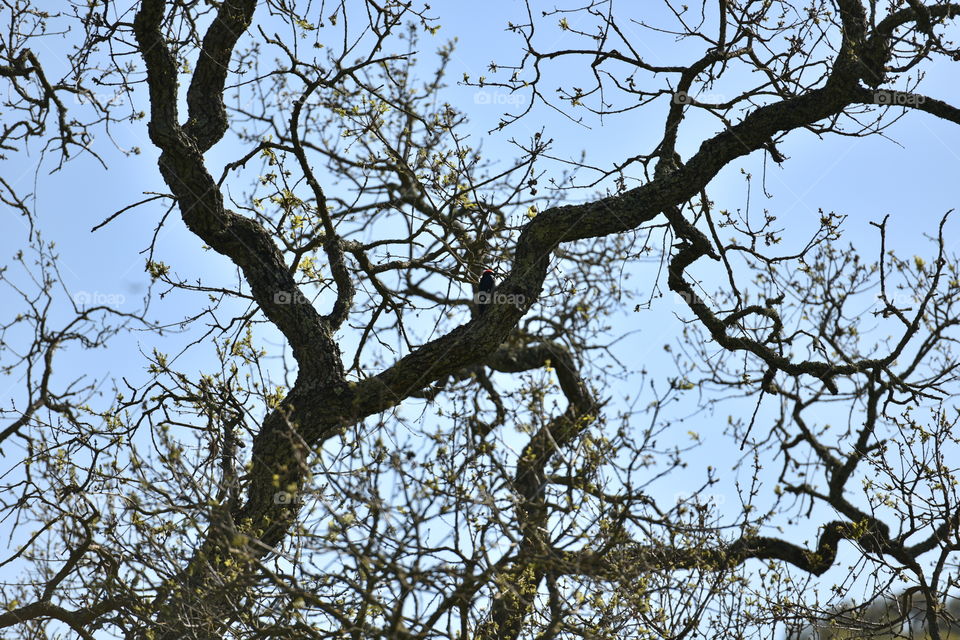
(359, 453)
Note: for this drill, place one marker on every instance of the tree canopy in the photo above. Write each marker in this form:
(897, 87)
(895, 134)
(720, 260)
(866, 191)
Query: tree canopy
(342, 446)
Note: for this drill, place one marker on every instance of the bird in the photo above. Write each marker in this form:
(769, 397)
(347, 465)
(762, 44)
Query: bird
(485, 291)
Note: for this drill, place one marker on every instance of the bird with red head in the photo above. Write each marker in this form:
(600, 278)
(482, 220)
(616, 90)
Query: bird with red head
(485, 288)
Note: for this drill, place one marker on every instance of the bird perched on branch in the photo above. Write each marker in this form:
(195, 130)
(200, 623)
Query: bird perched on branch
(485, 288)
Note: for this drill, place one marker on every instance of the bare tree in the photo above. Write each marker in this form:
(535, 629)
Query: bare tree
(417, 469)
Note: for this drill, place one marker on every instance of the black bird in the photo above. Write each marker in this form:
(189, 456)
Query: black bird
(485, 291)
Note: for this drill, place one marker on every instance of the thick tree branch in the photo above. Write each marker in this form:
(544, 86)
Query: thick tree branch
(630, 561)
(207, 116)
